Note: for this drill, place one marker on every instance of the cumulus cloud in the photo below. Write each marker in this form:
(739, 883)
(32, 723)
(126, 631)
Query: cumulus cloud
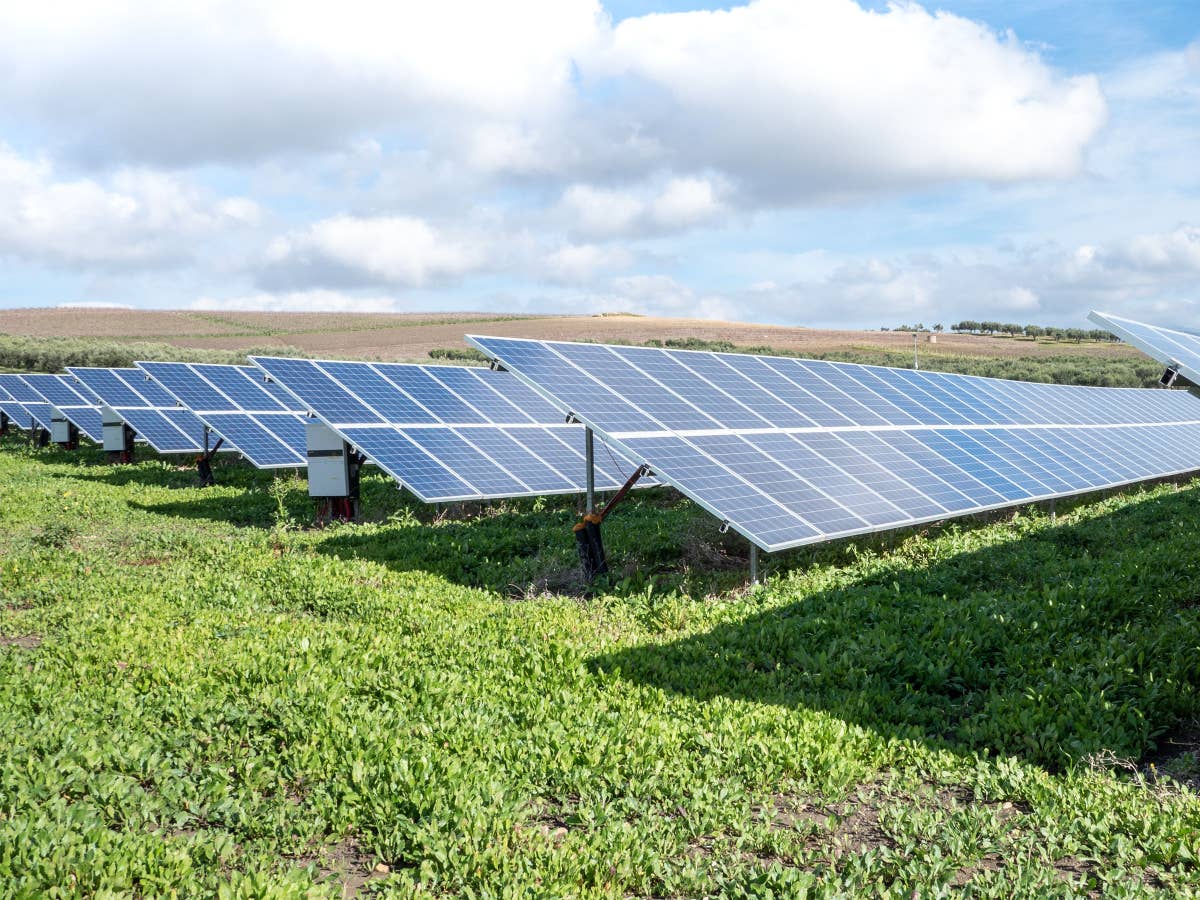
(1044, 284)
(136, 218)
(351, 251)
(823, 97)
(576, 263)
(789, 100)
(679, 204)
(237, 81)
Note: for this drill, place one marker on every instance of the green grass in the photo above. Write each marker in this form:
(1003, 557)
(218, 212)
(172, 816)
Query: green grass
(201, 696)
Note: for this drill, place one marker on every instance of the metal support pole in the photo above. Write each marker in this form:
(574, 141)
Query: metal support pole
(1052, 511)
(753, 563)
(589, 452)
(916, 363)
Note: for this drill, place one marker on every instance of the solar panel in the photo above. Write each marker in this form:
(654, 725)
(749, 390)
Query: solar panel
(256, 418)
(1177, 349)
(790, 452)
(447, 432)
(146, 408)
(16, 412)
(62, 396)
(30, 405)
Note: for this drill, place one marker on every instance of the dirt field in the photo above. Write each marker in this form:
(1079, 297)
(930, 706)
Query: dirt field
(410, 336)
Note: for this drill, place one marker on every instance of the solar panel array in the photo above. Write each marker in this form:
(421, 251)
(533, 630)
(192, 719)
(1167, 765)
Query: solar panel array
(61, 394)
(31, 408)
(447, 432)
(146, 408)
(1168, 346)
(264, 423)
(790, 452)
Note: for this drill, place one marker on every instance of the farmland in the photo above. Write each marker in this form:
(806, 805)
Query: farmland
(203, 694)
(410, 336)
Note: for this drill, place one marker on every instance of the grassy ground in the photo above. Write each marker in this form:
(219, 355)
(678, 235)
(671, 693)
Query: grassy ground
(201, 696)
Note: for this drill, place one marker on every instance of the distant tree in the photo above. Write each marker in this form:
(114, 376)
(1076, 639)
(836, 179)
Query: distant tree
(1034, 331)
(939, 328)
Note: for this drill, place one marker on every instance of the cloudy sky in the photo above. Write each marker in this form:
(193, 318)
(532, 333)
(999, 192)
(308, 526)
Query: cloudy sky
(812, 162)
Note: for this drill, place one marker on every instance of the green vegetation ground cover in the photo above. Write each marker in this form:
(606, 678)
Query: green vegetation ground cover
(20, 353)
(200, 696)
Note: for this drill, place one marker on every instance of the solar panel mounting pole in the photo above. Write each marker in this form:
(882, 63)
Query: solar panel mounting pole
(753, 563)
(589, 452)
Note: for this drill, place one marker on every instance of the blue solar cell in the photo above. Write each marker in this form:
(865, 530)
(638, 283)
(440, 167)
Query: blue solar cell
(54, 390)
(240, 386)
(705, 398)
(186, 386)
(316, 390)
(378, 393)
(719, 490)
(252, 421)
(431, 394)
(109, 387)
(480, 396)
(471, 465)
(87, 420)
(260, 445)
(574, 388)
(510, 451)
(19, 390)
(155, 427)
(409, 464)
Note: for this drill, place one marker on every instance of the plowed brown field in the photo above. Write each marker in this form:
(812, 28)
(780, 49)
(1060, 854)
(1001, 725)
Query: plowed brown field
(410, 336)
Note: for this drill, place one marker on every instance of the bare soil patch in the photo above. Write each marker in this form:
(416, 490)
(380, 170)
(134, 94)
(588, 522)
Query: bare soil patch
(21, 641)
(345, 864)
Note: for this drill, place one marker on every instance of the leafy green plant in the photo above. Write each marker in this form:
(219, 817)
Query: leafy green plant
(199, 701)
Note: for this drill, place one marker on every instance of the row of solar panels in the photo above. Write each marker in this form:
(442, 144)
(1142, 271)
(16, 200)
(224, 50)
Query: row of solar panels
(445, 432)
(784, 451)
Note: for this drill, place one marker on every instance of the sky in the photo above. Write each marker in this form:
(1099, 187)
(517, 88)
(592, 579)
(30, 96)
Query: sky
(822, 163)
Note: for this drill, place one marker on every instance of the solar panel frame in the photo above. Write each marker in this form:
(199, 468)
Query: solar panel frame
(17, 414)
(1169, 346)
(967, 443)
(450, 449)
(234, 403)
(37, 411)
(154, 415)
(61, 394)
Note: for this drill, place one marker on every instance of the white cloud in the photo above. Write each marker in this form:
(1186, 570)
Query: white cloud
(784, 100)
(649, 209)
(195, 81)
(138, 218)
(578, 263)
(823, 97)
(1047, 284)
(350, 251)
(601, 213)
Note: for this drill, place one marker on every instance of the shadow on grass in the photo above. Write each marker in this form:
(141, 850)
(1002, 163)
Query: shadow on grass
(1060, 643)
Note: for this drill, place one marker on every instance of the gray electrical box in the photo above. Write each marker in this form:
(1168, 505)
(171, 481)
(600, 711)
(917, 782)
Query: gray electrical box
(115, 438)
(60, 428)
(328, 462)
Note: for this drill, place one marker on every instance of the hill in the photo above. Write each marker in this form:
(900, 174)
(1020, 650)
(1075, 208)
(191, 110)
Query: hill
(411, 336)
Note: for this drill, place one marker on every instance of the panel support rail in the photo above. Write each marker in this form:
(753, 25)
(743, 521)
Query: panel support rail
(204, 462)
(588, 541)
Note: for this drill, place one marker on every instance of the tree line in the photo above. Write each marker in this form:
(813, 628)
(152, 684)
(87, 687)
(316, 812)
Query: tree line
(968, 326)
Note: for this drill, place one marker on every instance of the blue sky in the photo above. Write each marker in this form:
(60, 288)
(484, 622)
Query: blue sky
(819, 163)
